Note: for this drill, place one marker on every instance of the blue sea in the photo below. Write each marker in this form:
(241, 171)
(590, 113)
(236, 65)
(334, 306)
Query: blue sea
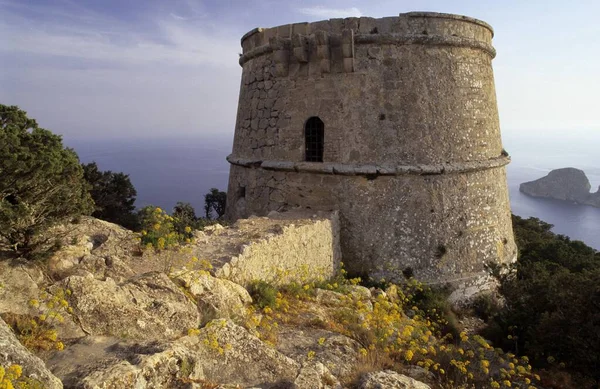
(534, 156)
(163, 172)
(167, 171)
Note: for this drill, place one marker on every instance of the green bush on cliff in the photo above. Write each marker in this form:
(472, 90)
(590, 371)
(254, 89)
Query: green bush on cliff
(158, 231)
(214, 203)
(184, 219)
(41, 182)
(552, 310)
(113, 194)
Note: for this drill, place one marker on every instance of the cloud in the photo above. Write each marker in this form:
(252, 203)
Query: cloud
(175, 16)
(326, 13)
(110, 76)
(108, 40)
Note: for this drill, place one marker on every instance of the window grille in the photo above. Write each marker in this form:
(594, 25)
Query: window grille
(314, 138)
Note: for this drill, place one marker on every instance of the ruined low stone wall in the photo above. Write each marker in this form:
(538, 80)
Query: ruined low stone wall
(280, 248)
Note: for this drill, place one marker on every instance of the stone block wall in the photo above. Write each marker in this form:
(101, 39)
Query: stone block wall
(281, 248)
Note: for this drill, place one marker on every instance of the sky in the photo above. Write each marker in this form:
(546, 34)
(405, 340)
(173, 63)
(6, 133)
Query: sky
(145, 69)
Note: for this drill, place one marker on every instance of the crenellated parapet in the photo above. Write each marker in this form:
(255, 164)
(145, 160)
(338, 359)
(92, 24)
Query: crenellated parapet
(312, 49)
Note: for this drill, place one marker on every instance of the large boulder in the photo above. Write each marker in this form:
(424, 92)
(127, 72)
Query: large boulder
(18, 285)
(14, 353)
(96, 246)
(336, 352)
(71, 261)
(230, 354)
(149, 306)
(314, 375)
(352, 294)
(98, 236)
(22, 282)
(216, 298)
(389, 379)
(106, 362)
(220, 353)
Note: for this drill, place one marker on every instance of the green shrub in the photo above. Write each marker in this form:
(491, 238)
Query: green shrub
(214, 203)
(41, 183)
(485, 306)
(158, 230)
(263, 294)
(185, 220)
(113, 195)
(551, 311)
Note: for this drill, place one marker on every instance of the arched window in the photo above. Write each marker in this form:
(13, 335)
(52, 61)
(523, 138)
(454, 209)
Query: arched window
(314, 138)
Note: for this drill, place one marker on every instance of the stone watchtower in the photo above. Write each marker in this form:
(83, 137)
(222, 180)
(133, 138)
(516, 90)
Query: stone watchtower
(391, 121)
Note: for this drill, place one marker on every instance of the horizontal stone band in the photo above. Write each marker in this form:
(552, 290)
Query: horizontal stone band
(371, 169)
(391, 38)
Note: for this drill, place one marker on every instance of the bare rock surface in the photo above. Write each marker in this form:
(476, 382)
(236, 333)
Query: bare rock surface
(355, 293)
(148, 306)
(13, 352)
(389, 379)
(338, 353)
(135, 315)
(18, 284)
(216, 298)
(99, 247)
(222, 352)
(314, 375)
(105, 362)
(245, 359)
(568, 184)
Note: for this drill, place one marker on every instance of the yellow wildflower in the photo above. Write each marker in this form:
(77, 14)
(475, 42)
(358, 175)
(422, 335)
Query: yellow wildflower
(14, 372)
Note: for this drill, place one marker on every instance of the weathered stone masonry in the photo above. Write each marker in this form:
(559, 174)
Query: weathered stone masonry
(412, 156)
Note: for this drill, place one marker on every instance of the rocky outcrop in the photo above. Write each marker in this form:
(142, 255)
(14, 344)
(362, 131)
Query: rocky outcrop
(96, 246)
(13, 353)
(245, 359)
(568, 184)
(164, 319)
(222, 352)
(18, 284)
(337, 352)
(314, 375)
(390, 380)
(149, 306)
(355, 292)
(105, 362)
(216, 298)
